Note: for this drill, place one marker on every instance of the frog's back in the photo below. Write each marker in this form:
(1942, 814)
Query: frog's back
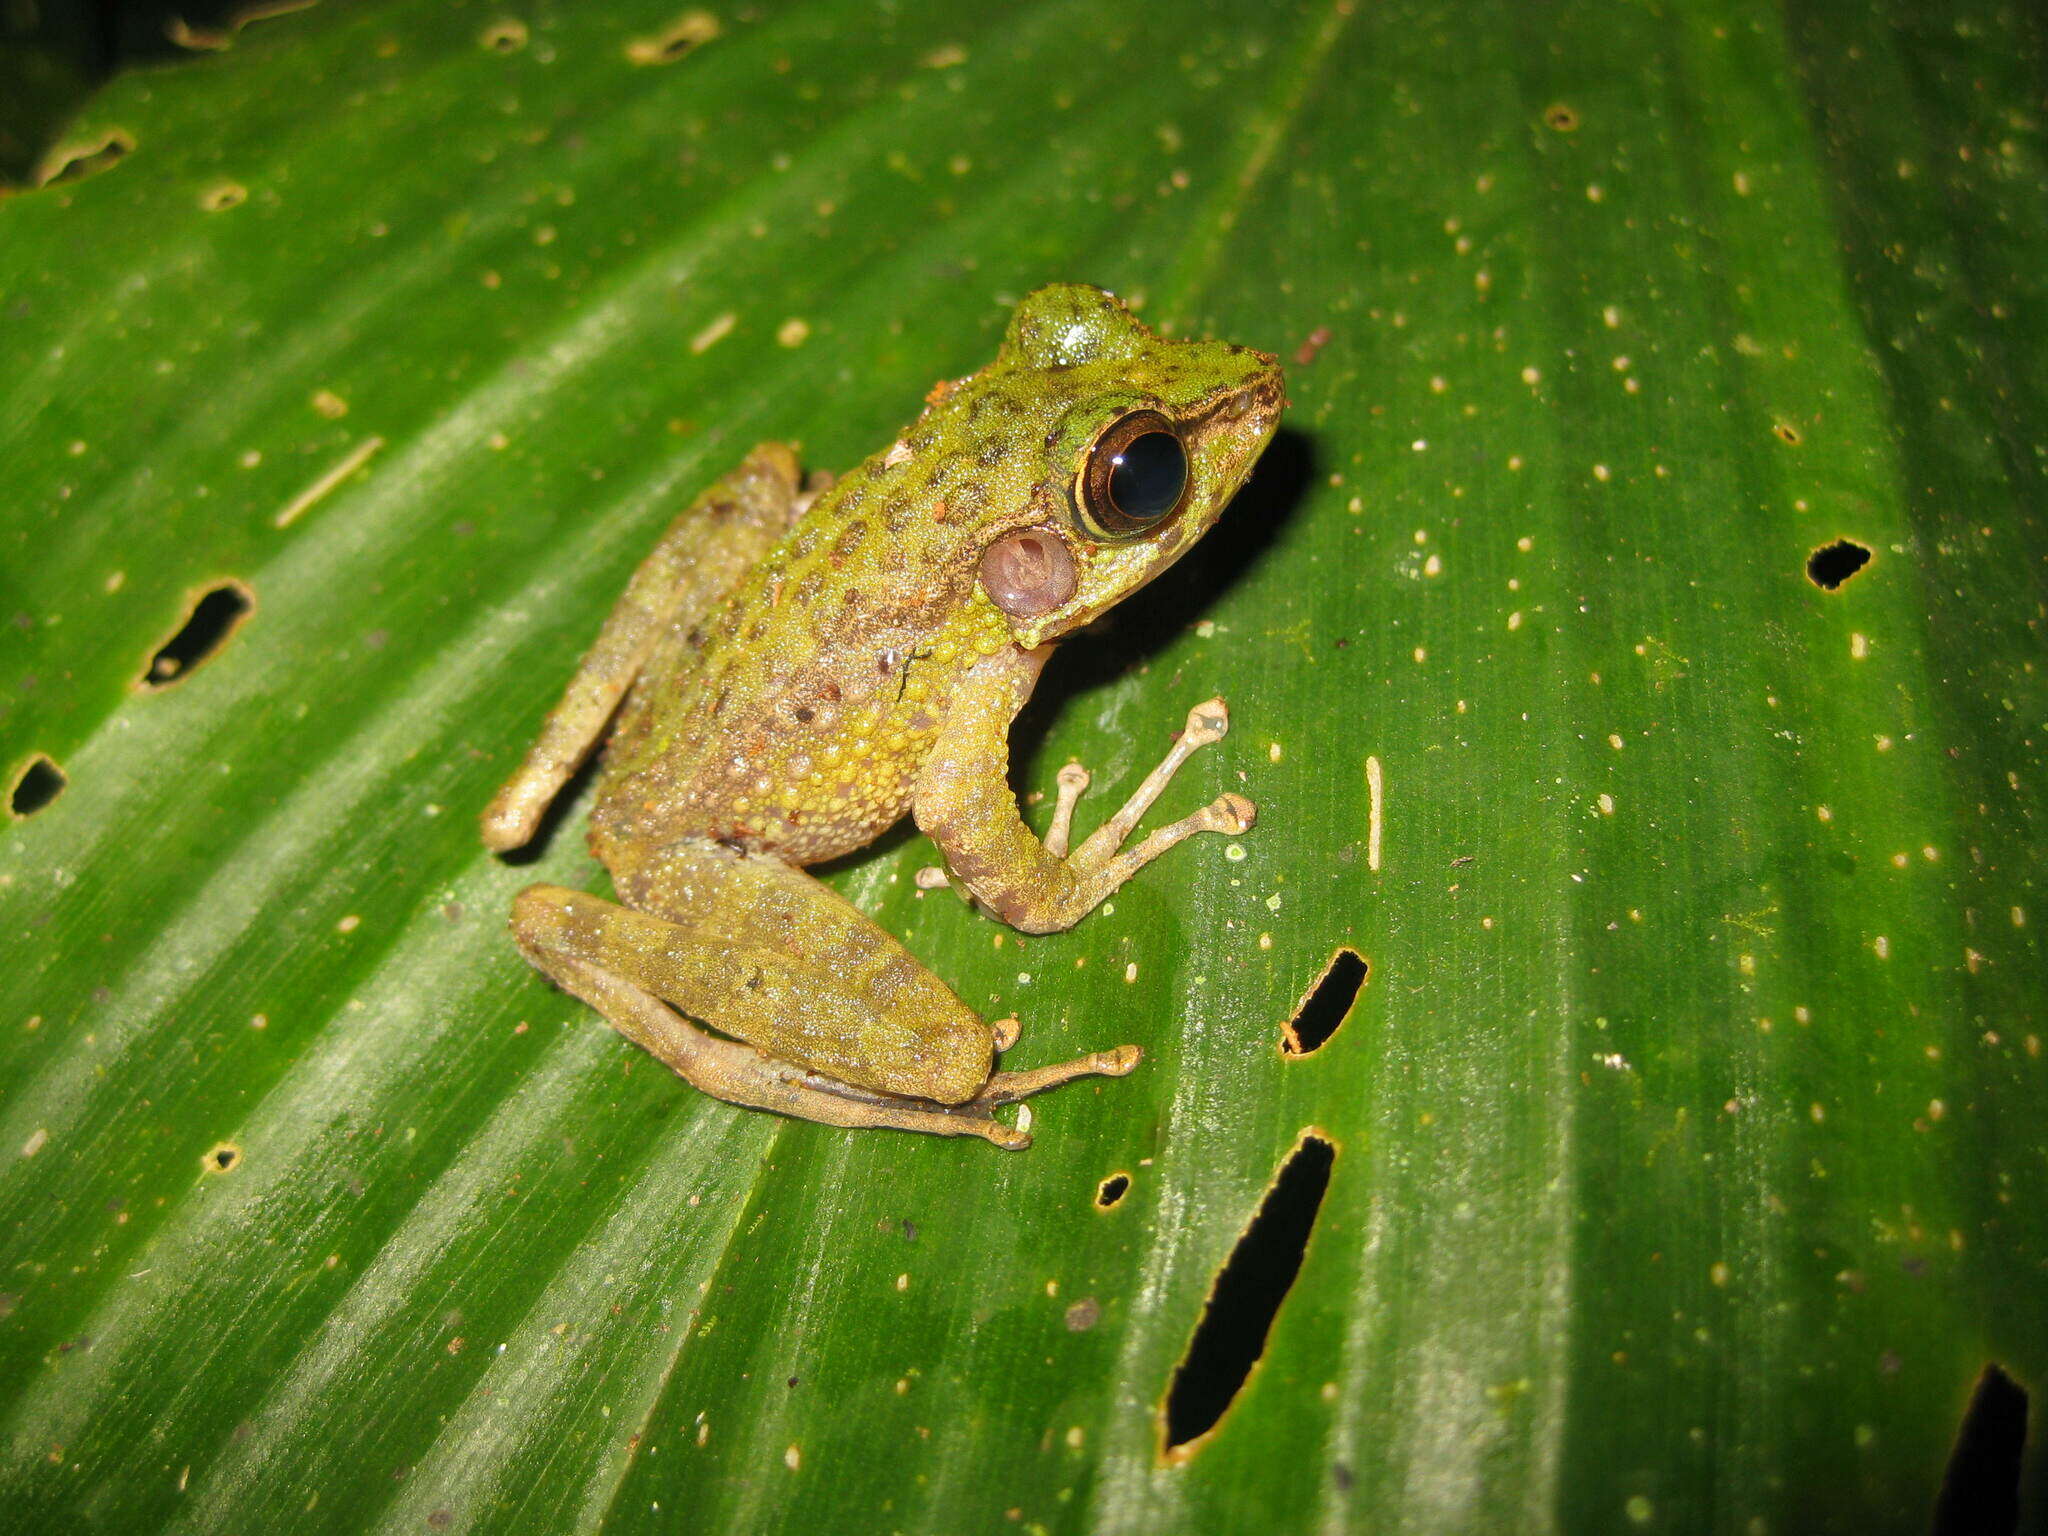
(792, 719)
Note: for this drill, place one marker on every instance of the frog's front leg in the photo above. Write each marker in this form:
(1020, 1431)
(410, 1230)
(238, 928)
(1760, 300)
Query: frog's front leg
(963, 802)
(833, 1021)
(716, 540)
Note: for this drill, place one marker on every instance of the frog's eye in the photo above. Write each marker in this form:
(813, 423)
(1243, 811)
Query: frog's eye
(1028, 573)
(1134, 477)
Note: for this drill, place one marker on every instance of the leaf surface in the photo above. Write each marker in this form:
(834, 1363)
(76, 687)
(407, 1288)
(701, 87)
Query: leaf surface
(1688, 1128)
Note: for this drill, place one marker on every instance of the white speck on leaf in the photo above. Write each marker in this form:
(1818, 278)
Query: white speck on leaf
(714, 333)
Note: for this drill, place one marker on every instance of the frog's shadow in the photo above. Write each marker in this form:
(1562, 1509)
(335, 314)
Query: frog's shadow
(1138, 628)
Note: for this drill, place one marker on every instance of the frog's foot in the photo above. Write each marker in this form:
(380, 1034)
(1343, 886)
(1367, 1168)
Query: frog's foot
(1231, 813)
(964, 804)
(976, 1117)
(1008, 1087)
(1208, 723)
(1098, 862)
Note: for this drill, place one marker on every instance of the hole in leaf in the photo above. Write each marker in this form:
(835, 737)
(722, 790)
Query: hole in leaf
(1832, 564)
(40, 782)
(680, 38)
(223, 195)
(1980, 1491)
(507, 35)
(206, 628)
(221, 1158)
(1562, 118)
(79, 158)
(1111, 1190)
(1788, 434)
(218, 23)
(1246, 1297)
(1327, 1004)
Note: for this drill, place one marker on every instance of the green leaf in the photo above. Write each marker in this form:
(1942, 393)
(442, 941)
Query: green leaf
(1688, 1131)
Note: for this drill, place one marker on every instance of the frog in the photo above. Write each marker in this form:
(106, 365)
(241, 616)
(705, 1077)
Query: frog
(803, 661)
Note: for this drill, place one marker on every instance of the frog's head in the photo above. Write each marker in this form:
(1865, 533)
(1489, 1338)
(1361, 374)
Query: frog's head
(1145, 440)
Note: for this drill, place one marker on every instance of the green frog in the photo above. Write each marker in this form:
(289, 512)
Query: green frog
(800, 663)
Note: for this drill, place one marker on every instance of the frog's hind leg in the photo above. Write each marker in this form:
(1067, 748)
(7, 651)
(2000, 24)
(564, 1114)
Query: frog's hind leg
(716, 540)
(832, 1020)
(739, 1074)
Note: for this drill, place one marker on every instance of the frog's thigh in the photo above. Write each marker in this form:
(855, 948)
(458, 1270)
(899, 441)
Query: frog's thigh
(762, 952)
(715, 541)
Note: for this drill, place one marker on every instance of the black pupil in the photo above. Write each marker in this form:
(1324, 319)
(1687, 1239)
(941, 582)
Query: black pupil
(1146, 479)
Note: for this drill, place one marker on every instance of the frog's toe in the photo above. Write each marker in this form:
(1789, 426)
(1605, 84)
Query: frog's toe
(1008, 1087)
(1070, 781)
(1208, 722)
(1229, 813)
(1005, 1032)
(1120, 1062)
(1008, 1137)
